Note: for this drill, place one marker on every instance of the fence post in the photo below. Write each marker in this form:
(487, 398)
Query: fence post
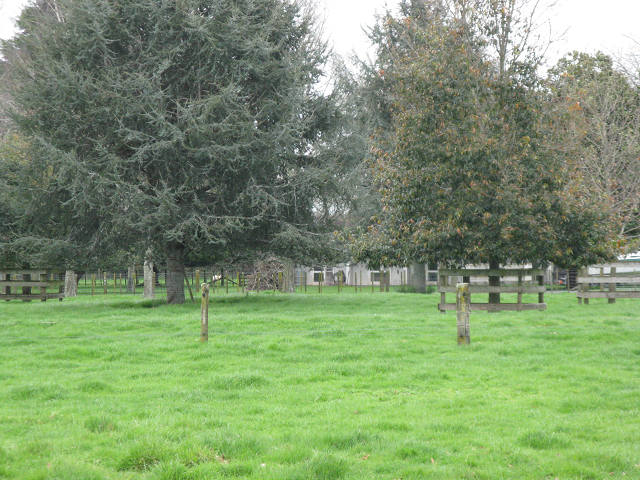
(541, 284)
(197, 281)
(463, 306)
(148, 290)
(104, 282)
(442, 282)
(204, 313)
(612, 285)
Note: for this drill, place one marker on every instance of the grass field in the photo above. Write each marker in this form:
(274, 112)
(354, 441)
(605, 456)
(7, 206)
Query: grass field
(317, 386)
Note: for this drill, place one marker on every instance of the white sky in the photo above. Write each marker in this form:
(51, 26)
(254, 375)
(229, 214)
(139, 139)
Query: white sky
(592, 24)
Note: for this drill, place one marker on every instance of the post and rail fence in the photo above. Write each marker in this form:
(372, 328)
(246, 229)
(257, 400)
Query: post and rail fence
(612, 281)
(21, 284)
(527, 281)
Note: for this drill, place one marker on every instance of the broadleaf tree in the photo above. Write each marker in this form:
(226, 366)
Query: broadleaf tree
(602, 110)
(472, 173)
(188, 125)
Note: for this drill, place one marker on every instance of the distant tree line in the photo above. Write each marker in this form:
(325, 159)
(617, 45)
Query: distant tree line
(193, 132)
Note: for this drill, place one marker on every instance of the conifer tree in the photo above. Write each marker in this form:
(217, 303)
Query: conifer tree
(186, 124)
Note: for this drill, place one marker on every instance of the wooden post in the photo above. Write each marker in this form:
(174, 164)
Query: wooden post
(104, 282)
(541, 284)
(135, 280)
(93, 284)
(26, 277)
(186, 280)
(204, 313)
(601, 279)
(7, 277)
(586, 286)
(442, 282)
(494, 281)
(463, 306)
(520, 291)
(148, 289)
(197, 281)
(612, 285)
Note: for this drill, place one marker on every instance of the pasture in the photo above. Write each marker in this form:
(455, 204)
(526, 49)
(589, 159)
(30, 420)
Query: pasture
(317, 386)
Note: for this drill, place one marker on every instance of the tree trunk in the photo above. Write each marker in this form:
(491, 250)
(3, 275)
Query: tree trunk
(175, 273)
(288, 277)
(494, 281)
(418, 277)
(70, 284)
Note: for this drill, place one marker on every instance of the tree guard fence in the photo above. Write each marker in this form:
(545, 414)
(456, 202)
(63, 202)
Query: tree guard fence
(22, 284)
(518, 281)
(610, 281)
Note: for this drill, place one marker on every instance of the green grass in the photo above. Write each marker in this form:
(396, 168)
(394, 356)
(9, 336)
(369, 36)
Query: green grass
(317, 387)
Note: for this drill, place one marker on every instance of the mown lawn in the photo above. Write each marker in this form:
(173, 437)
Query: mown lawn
(317, 386)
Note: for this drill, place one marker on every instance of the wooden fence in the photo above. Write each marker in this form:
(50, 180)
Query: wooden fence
(613, 280)
(27, 281)
(524, 281)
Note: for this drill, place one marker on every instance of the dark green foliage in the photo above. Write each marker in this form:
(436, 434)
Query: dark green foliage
(472, 173)
(187, 125)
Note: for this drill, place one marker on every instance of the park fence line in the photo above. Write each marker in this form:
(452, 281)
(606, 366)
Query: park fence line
(221, 281)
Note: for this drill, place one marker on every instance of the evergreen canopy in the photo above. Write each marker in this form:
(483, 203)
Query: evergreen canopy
(190, 124)
(471, 172)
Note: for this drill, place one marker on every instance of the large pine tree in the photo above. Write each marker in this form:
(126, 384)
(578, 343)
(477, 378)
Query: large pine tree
(189, 124)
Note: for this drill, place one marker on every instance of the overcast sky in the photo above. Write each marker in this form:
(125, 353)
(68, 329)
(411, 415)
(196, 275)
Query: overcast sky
(592, 24)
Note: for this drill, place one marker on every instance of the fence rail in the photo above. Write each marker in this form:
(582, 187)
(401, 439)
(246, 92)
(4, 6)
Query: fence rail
(613, 280)
(522, 276)
(28, 280)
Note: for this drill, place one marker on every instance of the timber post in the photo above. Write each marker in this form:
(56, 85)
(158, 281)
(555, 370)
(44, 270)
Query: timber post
(612, 285)
(204, 314)
(463, 307)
